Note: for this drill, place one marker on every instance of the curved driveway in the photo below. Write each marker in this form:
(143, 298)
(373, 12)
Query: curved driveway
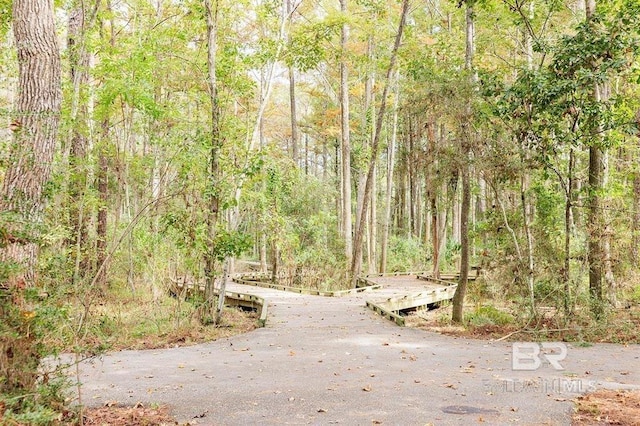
(331, 361)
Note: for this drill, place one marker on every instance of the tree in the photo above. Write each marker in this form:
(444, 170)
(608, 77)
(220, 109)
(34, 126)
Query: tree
(80, 21)
(295, 143)
(23, 197)
(461, 290)
(211, 11)
(345, 141)
(356, 261)
(391, 151)
(596, 219)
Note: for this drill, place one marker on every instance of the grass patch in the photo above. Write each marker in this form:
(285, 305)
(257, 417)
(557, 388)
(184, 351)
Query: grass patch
(488, 315)
(146, 319)
(144, 324)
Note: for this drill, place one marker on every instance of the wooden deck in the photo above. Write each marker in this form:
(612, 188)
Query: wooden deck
(400, 292)
(390, 295)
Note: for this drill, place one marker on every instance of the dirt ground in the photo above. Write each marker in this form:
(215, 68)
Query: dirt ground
(128, 416)
(608, 407)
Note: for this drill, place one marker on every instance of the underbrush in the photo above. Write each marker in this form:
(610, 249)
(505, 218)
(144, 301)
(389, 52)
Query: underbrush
(47, 405)
(146, 320)
(86, 325)
(499, 322)
(488, 315)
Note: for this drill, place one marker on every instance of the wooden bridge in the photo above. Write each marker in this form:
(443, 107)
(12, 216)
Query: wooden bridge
(391, 295)
(400, 293)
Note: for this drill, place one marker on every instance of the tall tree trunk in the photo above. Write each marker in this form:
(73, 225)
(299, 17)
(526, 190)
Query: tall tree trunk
(101, 257)
(213, 212)
(413, 179)
(263, 238)
(431, 198)
(275, 262)
(337, 165)
(391, 153)
(226, 271)
(458, 297)
(345, 140)
(369, 110)
(361, 179)
(78, 25)
(435, 233)
(22, 197)
(373, 227)
(325, 161)
(525, 183)
(526, 222)
(566, 270)
(356, 266)
(263, 251)
(307, 157)
(595, 230)
(103, 195)
(401, 192)
(595, 211)
(455, 216)
(635, 225)
(292, 100)
(295, 143)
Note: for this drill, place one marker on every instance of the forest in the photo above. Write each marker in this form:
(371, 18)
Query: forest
(144, 141)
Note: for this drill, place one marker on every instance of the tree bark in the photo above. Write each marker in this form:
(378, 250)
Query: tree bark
(461, 291)
(594, 206)
(413, 179)
(345, 140)
(369, 108)
(566, 270)
(458, 298)
(435, 234)
(391, 152)
(455, 218)
(78, 25)
(295, 148)
(213, 212)
(35, 129)
(635, 225)
(373, 227)
(103, 195)
(292, 99)
(526, 223)
(22, 195)
(595, 230)
(361, 180)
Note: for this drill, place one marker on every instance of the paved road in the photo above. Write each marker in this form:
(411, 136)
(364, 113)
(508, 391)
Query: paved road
(331, 361)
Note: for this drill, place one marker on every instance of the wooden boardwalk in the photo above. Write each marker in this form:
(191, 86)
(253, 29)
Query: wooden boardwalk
(398, 293)
(391, 295)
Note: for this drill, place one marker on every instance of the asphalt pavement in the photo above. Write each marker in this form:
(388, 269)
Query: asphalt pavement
(323, 361)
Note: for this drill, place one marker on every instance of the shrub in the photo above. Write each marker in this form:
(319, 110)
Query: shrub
(406, 254)
(488, 315)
